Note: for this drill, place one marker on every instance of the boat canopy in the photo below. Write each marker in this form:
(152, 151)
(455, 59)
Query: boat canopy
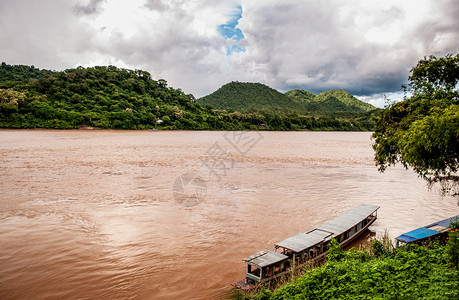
(444, 223)
(430, 230)
(349, 219)
(265, 258)
(417, 234)
(305, 240)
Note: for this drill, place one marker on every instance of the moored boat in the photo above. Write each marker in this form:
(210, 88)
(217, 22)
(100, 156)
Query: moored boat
(435, 230)
(262, 266)
(267, 265)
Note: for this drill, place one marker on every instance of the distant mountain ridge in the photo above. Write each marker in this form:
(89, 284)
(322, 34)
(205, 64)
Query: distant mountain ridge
(330, 101)
(247, 96)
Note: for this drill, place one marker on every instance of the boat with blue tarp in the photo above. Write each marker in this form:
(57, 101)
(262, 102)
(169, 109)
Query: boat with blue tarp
(432, 231)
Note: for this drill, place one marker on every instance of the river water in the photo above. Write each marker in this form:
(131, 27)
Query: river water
(92, 214)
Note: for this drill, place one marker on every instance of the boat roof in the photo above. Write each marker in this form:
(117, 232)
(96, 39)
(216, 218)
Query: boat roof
(265, 258)
(444, 223)
(305, 240)
(426, 231)
(417, 234)
(349, 219)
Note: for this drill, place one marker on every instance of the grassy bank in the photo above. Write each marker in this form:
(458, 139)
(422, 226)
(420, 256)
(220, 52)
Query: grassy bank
(381, 272)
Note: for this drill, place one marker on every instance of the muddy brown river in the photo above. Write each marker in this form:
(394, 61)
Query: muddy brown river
(89, 214)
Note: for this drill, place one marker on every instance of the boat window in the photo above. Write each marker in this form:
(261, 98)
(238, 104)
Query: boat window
(255, 271)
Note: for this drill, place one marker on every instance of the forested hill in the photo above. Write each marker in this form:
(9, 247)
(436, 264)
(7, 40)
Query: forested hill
(111, 97)
(330, 101)
(105, 97)
(248, 96)
(245, 97)
(12, 75)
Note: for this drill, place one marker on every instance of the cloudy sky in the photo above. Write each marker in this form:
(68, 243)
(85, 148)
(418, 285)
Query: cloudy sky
(362, 46)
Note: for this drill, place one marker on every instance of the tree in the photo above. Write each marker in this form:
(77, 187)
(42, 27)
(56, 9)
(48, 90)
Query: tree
(422, 131)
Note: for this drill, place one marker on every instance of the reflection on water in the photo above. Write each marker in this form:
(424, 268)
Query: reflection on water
(91, 214)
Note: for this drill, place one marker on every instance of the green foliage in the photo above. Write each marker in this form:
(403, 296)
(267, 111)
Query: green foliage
(422, 131)
(249, 97)
(264, 295)
(452, 243)
(330, 101)
(301, 95)
(377, 248)
(335, 253)
(435, 75)
(245, 97)
(295, 110)
(111, 97)
(12, 75)
(343, 101)
(104, 97)
(404, 273)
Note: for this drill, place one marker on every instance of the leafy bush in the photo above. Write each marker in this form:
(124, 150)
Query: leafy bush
(453, 243)
(403, 273)
(335, 253)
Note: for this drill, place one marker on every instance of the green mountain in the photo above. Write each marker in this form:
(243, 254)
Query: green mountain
(330, 101)
(247, 96)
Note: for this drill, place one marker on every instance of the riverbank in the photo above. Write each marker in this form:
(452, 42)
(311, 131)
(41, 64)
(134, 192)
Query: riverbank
(381, 272)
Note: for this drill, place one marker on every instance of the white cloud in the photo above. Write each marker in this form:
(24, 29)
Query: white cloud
(382, 100)
(361, 46)
(365, 47)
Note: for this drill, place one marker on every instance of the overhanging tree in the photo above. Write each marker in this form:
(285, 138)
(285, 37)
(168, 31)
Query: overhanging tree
(422, 131)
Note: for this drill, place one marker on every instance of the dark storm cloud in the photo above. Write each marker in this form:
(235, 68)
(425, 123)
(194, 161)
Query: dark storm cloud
(91, 8)
(364, 47)
(358, 46)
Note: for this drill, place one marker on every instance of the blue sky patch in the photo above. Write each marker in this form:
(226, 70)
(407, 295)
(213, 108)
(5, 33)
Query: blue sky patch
(229, 30)
(234, 48)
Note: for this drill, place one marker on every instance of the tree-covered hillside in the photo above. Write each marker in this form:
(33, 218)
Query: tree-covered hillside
(247, 96)
(330, 101)
(12, 75)
(106, 97)
(111, 97)
(343, 101)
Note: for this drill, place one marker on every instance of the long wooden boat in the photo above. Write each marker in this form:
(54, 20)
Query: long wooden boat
(432, 231)
(267, 264)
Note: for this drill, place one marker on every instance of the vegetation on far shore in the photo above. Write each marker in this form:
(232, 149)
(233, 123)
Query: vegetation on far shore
(111, 97)
(250, 96)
